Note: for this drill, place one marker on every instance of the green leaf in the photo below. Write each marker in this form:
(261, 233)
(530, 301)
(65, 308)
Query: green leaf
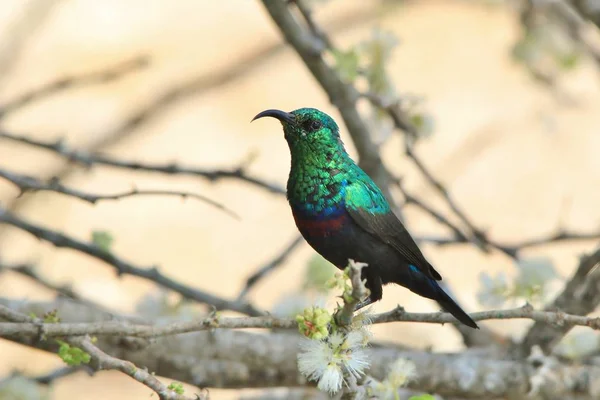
(176, 387)
(71, 355)
(51, 317)
(422, 397)
(102, 240)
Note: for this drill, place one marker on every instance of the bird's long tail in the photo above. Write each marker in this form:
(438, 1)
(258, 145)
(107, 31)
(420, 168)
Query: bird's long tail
(427, 287)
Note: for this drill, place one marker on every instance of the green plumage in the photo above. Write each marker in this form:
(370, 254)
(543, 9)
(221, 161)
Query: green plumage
(343, 215)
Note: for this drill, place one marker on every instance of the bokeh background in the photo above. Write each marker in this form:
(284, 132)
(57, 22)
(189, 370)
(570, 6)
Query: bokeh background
(521, 157)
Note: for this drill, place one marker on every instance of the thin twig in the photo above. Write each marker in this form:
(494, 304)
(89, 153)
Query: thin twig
(103, 361)
(359, 291)
(104, 75)
(477, 233)
(579, 27)
(400, 118)
(52, 376)
(198, 85)
(88, 159)
(402, 123)
(30, 272)
(27, 183)
(581, 295)
(125, 268)
(63, 290)
(45, 379)
(306, 12)
(561, 235)
(269, 267)
(58, 373)
(100, 359)
(410, 199)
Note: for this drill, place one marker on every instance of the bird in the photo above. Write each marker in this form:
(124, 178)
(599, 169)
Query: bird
(342, 214)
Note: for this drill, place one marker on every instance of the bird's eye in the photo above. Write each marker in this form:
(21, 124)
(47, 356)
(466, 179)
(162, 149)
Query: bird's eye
(315, 125)
(311, 125)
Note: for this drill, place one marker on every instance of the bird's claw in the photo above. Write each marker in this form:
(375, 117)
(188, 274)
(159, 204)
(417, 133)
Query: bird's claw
(363, 304)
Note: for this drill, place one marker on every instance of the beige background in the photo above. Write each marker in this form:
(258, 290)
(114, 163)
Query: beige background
(519, 160)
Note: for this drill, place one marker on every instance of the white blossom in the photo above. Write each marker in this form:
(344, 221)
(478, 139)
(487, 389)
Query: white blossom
(359, 338)
(493, 290)
(336, 340)
(328, 361)
(21, 388)
(332, 379)
(356, 361)
(314, 358)
(401, 372)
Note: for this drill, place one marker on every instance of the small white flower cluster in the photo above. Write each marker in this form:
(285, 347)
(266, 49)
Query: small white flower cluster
(534, 283)
(328, 361)
(21, 388)
(401, 372)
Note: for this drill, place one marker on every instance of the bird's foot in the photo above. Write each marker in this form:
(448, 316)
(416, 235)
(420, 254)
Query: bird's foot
(363, 304)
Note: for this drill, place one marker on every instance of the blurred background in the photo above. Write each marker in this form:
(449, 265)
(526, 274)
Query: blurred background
(512, 131)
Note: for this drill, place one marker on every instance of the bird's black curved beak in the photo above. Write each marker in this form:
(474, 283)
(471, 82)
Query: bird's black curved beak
(278, 114)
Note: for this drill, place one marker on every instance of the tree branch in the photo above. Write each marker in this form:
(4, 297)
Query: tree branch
(218, 78)
(27, 183)
(58, 373)
(88, 159)
(25, 327)
(102, 361)
(269, 267)
(478, 236)
(64, 290)
(125, 268)
(459, 236)
(233, 359)
(579, 28)
(581, 295)
(310, 48)
(475, 235)
(199, 84)
(104, 75)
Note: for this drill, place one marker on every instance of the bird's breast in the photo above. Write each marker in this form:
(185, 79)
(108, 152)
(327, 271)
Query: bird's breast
(317, 200)
(328, 224)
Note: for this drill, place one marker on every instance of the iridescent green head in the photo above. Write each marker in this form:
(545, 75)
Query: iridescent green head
(306, 127)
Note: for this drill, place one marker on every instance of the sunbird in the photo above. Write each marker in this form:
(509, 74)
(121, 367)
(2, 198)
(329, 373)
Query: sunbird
(342, 213)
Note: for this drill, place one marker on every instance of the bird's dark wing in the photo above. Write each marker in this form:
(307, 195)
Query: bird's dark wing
(370, 210)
